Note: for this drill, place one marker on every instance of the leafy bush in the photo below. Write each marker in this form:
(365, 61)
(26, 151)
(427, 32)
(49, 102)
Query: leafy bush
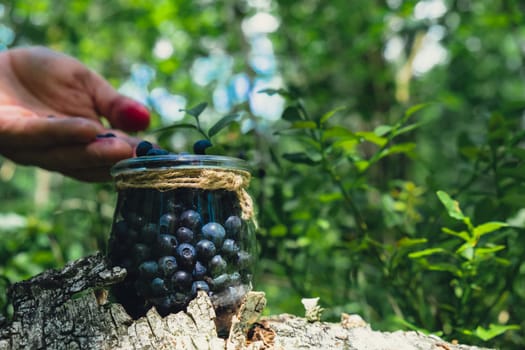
(410, 216)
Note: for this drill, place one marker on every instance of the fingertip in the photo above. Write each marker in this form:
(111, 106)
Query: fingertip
(131, 116)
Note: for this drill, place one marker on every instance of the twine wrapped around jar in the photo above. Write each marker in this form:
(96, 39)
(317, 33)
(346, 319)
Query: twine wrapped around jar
(202, 178)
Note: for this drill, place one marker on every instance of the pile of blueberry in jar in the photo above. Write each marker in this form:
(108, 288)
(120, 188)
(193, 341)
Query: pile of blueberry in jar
(174, 243)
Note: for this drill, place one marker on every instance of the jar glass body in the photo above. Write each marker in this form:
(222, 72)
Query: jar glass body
(181, 224)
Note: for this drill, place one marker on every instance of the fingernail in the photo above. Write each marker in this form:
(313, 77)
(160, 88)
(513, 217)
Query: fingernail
(103, 136)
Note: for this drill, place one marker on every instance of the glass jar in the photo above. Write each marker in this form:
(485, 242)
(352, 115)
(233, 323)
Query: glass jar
(182, 223)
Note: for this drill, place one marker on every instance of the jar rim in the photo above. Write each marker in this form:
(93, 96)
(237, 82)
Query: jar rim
(179, 161)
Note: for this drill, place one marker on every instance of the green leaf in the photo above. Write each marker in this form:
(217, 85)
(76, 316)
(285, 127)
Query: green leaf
(409, 128)
(382, 130)
(278, 231)
(407, 148)
(372, 137)
(408, 242)
(493, 331)
(336, 132)
(330, 114)
(415, 108)
(489, 250)
(488, 227)
(292, 114)
(348, 146)
(426, 252)
(300, 158)
(464, 235)
(330, 197)
(197, 110)
(362, 165)
(304, 124)
(222, 123)
(452, 206)
(445, 267)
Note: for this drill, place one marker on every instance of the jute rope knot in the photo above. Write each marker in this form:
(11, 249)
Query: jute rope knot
(202, 178)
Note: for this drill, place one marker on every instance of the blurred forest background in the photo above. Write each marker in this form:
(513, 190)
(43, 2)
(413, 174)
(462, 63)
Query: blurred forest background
(385, 138)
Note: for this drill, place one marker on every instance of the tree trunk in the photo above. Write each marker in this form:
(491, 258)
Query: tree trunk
(69, 309)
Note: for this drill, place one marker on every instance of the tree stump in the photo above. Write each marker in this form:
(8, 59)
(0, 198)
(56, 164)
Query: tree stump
(69, 309)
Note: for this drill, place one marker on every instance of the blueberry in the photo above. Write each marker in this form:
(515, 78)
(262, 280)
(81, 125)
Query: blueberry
(233, 226)
(191, 219)
(199, 271)
(167, 265)
(167, 223)
(124, 235)
(214, 232)
(149, 233)
(158, 286)
(219, 282)
(199, 285)
(181, 280)
(184, 235)
(142, 148)
(235, 278)
(217, 265)
(157, 152)
(205, 249)
(200, 146)
(166, 245)
(140, 252)
(244, 260)
(230, 248)
(164, 304)
(148, 269)
(186, 255)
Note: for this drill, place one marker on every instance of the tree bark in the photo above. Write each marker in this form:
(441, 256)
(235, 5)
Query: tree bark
(69, 309)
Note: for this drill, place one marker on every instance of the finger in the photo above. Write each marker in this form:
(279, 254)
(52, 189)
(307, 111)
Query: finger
(30, 132)
(101, 153)
(122, 112)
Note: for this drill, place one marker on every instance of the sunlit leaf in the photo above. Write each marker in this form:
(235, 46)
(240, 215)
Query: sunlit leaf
(372, 137)
(452, 206)
(489, 250)
(493, 331)
(488, 227)
(406, 148)
(382, 130)
(408, 242)
(426, 252)
(464, 235)
(330, 197)
(337, 132)
(445, 267)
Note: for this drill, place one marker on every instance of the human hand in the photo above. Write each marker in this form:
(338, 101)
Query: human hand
(50, 110)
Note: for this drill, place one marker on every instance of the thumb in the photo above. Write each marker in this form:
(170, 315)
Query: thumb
(122, 112)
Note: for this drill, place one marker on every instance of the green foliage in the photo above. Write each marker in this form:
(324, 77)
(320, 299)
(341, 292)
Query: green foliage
(386, 187)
